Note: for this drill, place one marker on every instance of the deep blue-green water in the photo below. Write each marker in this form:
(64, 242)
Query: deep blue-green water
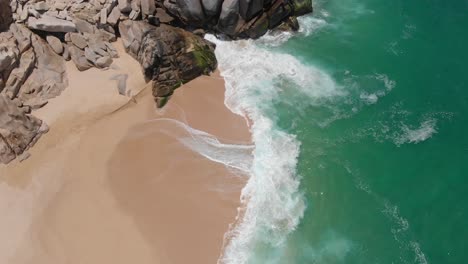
(360, 128)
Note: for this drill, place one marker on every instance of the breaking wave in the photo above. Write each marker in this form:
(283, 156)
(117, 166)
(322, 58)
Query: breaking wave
(257, 78)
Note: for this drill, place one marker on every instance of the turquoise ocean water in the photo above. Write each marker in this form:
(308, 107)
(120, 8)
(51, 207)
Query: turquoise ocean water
(361, 135)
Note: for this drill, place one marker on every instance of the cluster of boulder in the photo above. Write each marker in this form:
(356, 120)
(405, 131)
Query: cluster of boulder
(164, 36)
(239, 18)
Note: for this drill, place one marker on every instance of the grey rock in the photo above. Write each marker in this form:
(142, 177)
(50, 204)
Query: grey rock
(191, 11)
(41, 6)
(55, 44)
(18, 131)
(163, 17)
(83, 26)
(48, 78)
(212, 7)
(148, 7)
(34, 13)
(103, 16)
(66, 52)
(249, 8)
(36, 102)
(77, 56)
(78, 40)
(7, 58)
(229, 17)
(125, 6)
(136, 5)
(59, 5)
(23, 14)
(134, 15)
(19, 75)
(91, 55)
(22, 36)
(104, 62)
(98, 47)
(114, 16)
(24, 156)
(111, 50)
(51, 24)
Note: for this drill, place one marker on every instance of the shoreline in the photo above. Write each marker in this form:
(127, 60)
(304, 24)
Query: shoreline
(76, 184)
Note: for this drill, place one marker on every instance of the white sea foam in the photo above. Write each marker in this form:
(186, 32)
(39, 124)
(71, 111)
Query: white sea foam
(272, 203)
(400, 226)
(416, 135)
(237, 156)
(307, 26)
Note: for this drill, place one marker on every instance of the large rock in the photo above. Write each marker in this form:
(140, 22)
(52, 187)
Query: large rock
(125, 6)
(18, 131)
(55, 44)
(78, 57)
(212, 7)
(51, 24)
(5, 15)
(48, 78)
(229, 18)
(278, 12)
(19, 74)
(114, 16)
(249, 8)
(190, 11)
(148, 7)
(168, 55)
(302, 7)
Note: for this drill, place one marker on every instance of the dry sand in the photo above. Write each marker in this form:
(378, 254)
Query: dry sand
(111, 182)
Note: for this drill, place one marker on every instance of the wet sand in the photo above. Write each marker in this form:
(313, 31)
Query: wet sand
(112, 183)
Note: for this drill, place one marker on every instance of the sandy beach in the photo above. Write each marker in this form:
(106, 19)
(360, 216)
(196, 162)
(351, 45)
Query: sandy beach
(112, 182)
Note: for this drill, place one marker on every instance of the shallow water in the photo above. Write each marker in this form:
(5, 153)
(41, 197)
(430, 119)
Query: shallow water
(360, 129)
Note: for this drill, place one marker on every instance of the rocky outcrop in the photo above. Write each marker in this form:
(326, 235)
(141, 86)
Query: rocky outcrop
(169, 56)
(18, 130)
(165, 36)
(237, 18)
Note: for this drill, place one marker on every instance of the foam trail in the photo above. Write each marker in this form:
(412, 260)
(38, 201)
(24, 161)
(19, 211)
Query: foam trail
(237, 156)
(272, 203)
(424, 132)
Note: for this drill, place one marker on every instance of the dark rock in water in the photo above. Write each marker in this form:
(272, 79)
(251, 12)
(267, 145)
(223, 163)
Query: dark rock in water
(5, 15)
(291, 24)
(257, 27)
(18, 131)
(279, 11)
(301, 7)
(168, 55)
